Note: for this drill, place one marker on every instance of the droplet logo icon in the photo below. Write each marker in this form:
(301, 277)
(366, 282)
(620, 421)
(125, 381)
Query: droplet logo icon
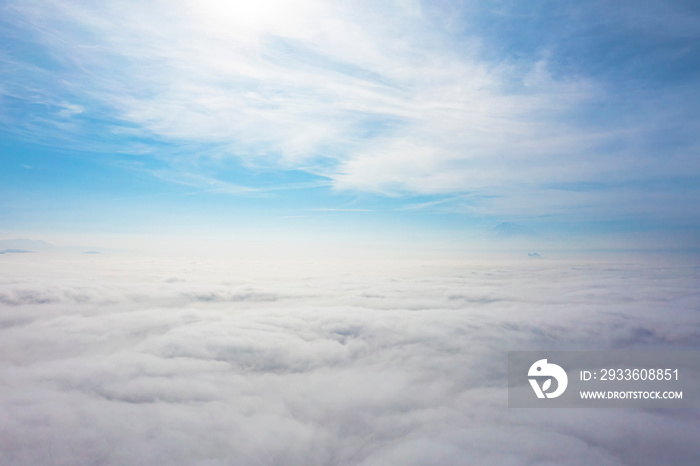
(541, 369)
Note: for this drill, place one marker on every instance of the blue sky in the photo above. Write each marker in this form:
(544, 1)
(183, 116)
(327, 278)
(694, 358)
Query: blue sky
(378, 119)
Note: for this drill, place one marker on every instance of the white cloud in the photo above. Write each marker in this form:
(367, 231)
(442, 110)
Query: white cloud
(145, 360)
(401, 99)
(376, 98)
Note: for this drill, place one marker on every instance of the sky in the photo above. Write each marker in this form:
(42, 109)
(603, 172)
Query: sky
(308, 232)
(351, 120)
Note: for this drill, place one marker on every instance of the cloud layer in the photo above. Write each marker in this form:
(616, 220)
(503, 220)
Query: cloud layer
(140, 360)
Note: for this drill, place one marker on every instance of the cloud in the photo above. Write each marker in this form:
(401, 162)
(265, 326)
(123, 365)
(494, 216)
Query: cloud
(399, 99)
(145, 360)
(331, 209)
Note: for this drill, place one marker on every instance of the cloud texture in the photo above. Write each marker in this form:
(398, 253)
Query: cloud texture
(403, 98)
(139, 360)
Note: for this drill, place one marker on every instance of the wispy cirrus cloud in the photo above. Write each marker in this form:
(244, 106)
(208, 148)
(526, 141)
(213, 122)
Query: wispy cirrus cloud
(401, 99)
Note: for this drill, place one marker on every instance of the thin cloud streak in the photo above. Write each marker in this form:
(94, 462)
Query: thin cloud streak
(331, 209)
